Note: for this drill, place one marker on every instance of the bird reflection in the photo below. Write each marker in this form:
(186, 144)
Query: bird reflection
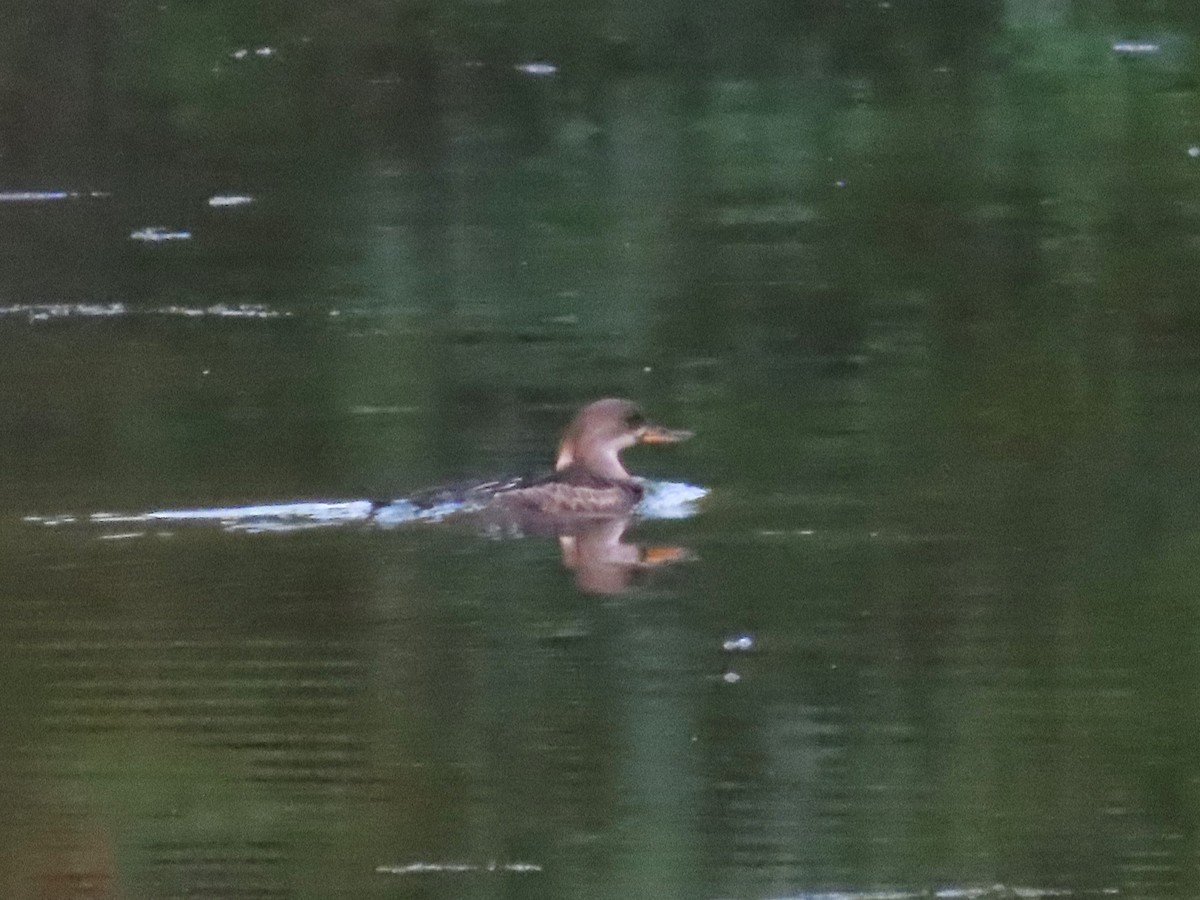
(603, 563)
(593, 547)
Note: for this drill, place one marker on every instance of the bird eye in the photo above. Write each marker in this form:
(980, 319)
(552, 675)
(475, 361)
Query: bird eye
(635, 419)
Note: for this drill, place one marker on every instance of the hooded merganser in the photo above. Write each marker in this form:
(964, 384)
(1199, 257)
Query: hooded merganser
(588, 479)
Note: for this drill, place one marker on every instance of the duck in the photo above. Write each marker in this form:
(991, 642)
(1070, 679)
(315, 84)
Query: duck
(589, 480)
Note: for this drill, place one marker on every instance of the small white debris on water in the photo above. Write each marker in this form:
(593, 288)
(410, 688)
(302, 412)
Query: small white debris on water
(41, 312)
(731, 678)
(33, 196)
(422, 868)
(50, 521)
(428, 868)
(1193, 151)
(224, 200)
(1135, 48)
(224, 311)
(366, 410)
(792, 532)
(245, 52)
(49, 196)
(157, 235)
(537, 69)
(740, 643)
(994, 892)
(122, 536)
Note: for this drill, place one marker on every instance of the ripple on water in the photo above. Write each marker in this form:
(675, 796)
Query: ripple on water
(663, 500)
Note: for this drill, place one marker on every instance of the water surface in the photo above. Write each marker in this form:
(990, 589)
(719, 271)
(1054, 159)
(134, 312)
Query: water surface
(921, 279)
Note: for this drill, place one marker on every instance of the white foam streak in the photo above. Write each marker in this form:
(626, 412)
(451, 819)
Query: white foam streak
(41, 312)
(48, 196)
(670, 500)
(454, 868)
(156, 235)
(226, 200)
(663, 500)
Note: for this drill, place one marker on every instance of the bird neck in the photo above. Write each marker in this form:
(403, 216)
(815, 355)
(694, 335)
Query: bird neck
(592, 469)
(601, 463)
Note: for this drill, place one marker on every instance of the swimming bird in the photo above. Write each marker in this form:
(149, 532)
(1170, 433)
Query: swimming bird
(587, 502)
(589, 480)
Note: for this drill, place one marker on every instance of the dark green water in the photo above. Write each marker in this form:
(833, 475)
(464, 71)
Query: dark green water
(922, 276)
